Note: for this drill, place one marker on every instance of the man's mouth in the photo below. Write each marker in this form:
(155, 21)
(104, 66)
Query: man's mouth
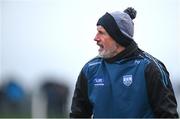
(100, 46)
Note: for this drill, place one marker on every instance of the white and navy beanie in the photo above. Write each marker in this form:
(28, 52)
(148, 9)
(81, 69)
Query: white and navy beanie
(119, 25)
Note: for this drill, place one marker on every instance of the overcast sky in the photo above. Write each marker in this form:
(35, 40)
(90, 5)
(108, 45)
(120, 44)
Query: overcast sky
(41, 37)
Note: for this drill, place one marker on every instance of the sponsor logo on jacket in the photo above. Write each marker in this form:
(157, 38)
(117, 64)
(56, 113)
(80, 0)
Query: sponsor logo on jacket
(98, 82)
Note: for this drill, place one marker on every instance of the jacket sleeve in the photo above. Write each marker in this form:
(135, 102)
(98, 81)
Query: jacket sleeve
(81, 107)
(160, 92)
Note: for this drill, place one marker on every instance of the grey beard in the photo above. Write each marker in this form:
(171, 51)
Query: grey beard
(111, 52)
(106, 55)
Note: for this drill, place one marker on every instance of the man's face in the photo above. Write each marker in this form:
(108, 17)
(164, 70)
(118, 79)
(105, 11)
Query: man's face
(108, 46)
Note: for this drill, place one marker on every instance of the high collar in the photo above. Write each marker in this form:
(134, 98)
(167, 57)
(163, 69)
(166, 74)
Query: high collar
(129, 51)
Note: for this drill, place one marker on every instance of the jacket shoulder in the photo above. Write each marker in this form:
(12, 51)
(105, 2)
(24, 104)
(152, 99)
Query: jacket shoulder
(93, 62)
(92, 65)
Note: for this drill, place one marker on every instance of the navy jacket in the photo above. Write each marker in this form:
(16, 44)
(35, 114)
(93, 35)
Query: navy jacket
(131, 84)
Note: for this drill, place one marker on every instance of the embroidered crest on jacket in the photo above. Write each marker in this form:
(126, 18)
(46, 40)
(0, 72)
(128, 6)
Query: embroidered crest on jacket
(127, 80)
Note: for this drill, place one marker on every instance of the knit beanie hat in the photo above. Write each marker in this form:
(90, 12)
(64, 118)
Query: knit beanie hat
(119, 25)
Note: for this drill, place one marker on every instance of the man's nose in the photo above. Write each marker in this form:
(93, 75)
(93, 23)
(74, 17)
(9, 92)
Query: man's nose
(96, 39)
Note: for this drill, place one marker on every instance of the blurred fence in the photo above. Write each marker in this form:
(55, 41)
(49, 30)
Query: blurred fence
(48, 101)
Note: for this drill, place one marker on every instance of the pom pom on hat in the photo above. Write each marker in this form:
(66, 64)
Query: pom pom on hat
(131, 12)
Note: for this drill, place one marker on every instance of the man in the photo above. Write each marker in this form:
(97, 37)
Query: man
(123, 81)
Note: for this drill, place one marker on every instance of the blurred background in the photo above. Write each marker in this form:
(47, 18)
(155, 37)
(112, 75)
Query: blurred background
(45, 43)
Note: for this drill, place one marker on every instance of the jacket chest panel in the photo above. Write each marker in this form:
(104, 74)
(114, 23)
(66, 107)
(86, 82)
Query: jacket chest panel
(116, 82)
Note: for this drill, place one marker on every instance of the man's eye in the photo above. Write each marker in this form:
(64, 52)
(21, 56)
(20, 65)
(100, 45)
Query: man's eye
(101, 32)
